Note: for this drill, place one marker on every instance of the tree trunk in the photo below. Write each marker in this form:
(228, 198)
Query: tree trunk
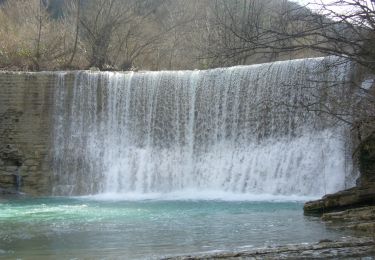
(76, 35)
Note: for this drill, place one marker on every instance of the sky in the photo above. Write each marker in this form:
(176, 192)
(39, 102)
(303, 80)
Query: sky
(316, 5)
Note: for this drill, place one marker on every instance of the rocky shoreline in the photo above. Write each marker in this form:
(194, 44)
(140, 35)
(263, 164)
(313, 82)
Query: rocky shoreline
(347, 248)
(351, 209)
(359, 219)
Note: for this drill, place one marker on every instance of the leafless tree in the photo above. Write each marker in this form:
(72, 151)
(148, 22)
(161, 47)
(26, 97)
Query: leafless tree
(75, 5)
(117, 32)
(291, 28)
(241, 28)
(29, 37)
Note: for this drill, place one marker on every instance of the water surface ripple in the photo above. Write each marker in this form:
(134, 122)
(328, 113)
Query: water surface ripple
(65, 228)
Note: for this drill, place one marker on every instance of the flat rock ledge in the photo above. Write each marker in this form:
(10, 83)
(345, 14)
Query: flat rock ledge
(342, 200)
(359, 219)
(349, 209)
(347, 248)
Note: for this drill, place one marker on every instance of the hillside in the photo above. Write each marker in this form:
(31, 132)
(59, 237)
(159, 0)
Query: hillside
(120, 35)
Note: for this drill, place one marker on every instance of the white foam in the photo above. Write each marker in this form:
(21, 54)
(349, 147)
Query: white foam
(198, 196)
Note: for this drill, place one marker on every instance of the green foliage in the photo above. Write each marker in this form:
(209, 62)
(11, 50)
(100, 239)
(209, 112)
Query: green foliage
(23, 52)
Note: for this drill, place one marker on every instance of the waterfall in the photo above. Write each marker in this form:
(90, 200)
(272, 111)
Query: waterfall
(239, 130)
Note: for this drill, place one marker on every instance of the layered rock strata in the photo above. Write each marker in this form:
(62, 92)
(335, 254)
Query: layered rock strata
(352, 248)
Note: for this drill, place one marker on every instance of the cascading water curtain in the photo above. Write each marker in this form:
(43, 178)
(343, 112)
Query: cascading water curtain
(242, 130)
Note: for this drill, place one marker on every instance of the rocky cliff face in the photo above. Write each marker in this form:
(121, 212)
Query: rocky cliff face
(25, 131)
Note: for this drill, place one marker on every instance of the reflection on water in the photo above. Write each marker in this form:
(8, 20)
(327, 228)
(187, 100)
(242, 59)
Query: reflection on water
(87, 228)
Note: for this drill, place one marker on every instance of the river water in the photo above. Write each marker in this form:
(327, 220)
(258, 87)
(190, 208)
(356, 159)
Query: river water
(97, 227)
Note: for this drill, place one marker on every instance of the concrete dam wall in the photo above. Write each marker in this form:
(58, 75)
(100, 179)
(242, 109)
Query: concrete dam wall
(231, 130)
(26, 111)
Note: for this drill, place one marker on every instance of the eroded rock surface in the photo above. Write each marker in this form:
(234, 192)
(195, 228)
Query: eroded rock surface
(360, 219)
(349, 248)
(351, 198)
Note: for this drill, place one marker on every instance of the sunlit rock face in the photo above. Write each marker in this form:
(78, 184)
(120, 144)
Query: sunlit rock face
(239, 130)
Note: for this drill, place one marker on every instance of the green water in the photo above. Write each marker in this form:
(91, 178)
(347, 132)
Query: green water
(67, 228)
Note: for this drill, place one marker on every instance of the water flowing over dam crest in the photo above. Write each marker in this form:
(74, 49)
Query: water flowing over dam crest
(240, 130)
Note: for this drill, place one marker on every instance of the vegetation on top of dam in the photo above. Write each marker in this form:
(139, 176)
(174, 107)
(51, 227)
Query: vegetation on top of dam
(169, 34)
